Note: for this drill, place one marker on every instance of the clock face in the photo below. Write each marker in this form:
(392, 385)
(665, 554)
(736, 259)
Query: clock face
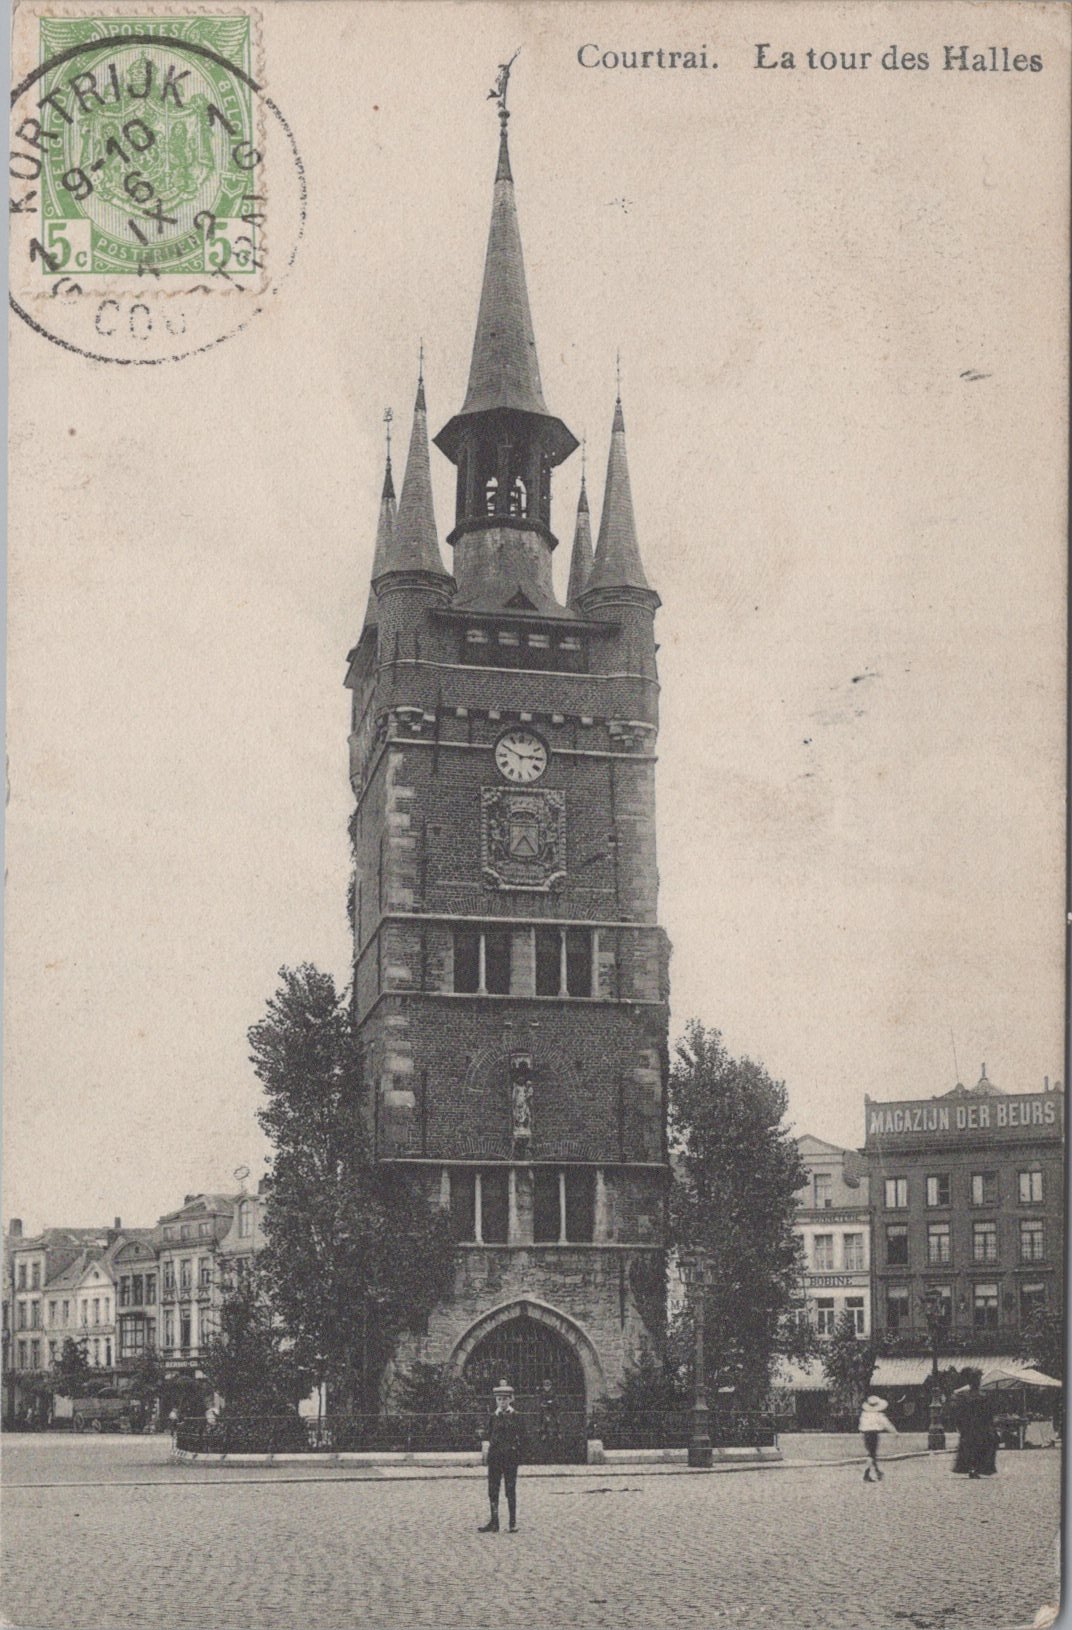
(520, 756)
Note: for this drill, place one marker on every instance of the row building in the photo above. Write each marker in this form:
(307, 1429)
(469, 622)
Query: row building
(943, 1233)
(121, 1292)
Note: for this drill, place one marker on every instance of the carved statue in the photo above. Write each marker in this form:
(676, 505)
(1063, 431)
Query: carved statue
(521, 1097)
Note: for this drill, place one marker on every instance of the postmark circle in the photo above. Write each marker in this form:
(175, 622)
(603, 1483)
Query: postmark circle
(158, 195)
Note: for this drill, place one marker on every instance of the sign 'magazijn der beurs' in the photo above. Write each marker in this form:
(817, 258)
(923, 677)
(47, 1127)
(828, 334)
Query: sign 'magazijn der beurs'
(1009, 1116)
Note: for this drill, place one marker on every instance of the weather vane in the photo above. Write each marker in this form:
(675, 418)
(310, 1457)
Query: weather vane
(618, 373)
(502, 82)
(388, 416)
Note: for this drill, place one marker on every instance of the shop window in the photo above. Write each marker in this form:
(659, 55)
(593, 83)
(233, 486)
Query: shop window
(938, 1189)
(897, 1308)
(823, 1187)
(855, 1306)
(825, 1316)
(1032, 1301)
(938, 1242)
(941, 1298)
(984, 1242)
(1031, 1241)
(896, 1193)
(823, 1253)
(1030, 1187)
(854, 1253)
(897, 1245)
(985, 1307)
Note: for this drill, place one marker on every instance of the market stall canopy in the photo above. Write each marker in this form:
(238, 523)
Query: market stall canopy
(998, 1379)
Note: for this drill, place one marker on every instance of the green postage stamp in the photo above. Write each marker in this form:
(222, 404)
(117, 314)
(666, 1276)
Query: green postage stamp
(149, 157)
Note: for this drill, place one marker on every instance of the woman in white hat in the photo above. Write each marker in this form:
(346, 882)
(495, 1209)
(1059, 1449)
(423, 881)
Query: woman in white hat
(873, 1420)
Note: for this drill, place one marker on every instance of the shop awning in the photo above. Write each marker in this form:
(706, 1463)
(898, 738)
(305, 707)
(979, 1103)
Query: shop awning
(996, 1377)
(913, 1372)
(800, 1377)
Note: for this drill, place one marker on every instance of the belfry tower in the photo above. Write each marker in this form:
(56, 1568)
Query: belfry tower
(510, 975)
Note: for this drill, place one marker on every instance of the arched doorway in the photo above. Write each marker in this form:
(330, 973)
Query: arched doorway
(530, 1354)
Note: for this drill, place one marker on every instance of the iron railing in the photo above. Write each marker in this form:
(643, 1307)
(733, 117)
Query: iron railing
(563, 1442)
(673, 1429)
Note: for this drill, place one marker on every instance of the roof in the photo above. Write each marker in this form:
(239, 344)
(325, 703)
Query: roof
(581, 560)
(504, 372)
(809, 1144)
(617, 559)
(385, 531)
(199, 1204)
(414, 545)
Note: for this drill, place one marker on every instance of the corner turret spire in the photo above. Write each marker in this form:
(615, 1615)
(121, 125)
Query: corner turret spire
(415, 545)
(385, 527)
(617, 561)
(581, 559)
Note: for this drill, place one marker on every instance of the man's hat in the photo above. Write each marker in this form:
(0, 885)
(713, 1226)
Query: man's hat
(875, 1402)
(504, 1390)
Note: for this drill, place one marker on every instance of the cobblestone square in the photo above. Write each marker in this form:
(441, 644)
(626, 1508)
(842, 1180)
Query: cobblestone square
(110, 1533)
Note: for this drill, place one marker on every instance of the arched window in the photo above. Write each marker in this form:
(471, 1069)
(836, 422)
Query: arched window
(491, 493)
(519, 498)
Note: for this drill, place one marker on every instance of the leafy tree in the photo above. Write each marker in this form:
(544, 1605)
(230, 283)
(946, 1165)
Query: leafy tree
(146, 1376)
(245, 1359)
(1042, 1342)
(431, 1389)
(848, 1364)
(355, 1253)
(737, 1172)
(73, 1369)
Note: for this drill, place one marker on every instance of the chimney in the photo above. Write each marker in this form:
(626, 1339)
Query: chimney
(15, 1228)
(1045, 1083)
(118, 1224)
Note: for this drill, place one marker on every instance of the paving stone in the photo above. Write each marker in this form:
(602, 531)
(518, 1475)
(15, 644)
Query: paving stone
(134, 1541)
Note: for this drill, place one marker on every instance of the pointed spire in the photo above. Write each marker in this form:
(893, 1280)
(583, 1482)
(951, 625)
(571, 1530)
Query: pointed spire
(617, 562)
(385, 527)
(581, 559)
(504, 372)
(415, 545)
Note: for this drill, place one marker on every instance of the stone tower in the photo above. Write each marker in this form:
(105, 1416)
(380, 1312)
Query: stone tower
(510, 976)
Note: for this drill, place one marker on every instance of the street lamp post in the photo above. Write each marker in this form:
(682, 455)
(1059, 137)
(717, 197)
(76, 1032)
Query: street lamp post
(932, 1312)
(693, 1269)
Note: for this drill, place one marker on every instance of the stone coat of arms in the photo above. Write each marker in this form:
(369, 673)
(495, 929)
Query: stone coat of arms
(522, 837)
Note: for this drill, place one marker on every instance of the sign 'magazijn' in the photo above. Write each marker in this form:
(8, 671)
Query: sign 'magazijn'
(1028, 1111)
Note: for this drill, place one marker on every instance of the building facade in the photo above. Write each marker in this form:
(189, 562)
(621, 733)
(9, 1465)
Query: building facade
(967, 1194)
(510, 974)
(834, 1225)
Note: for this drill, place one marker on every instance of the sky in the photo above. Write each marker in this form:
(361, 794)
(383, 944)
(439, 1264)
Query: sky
(841, 313)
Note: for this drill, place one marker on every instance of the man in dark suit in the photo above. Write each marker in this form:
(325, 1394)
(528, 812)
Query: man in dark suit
(506, 1444)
